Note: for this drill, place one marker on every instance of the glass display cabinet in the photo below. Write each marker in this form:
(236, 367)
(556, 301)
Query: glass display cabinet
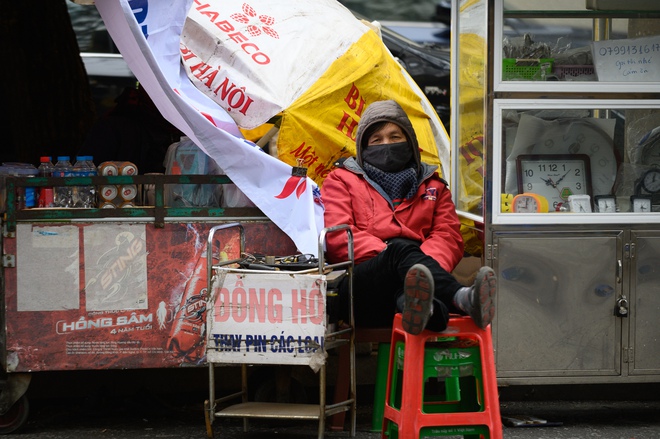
(556, 134)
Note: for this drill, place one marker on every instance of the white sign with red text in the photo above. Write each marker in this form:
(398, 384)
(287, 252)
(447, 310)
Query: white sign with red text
(261, 317)
(255, 58)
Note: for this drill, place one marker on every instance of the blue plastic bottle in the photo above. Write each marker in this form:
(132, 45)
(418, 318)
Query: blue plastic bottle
(63, 194)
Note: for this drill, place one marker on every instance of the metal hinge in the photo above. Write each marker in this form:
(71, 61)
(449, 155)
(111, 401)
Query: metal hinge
(628, 356)
(491, 252)
(9, 261)
(6, 233)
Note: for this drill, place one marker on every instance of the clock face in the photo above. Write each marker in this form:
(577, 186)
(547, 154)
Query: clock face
(641, 203)
(651, 181)
(554, 176)
(580, 203)
(587, 136)
(527, 203)
(606, 204)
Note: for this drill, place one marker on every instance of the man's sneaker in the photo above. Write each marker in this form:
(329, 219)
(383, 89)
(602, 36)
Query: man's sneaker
(478, 301)
(418, 299)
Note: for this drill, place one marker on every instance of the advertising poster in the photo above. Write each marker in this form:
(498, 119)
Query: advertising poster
(115, 295)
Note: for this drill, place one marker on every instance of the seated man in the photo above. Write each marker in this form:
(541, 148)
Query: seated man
(406, 232)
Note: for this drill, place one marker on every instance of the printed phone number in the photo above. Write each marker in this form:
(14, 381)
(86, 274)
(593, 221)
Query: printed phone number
(629, 49)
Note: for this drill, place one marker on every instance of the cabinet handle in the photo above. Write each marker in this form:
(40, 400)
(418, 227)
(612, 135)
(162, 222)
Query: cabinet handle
(619, 269)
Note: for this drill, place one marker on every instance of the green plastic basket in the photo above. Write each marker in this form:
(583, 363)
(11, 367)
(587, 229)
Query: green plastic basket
(526, 69)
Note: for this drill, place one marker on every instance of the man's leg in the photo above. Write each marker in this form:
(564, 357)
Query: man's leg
(421, 309)
(430, 288)
(403, 254)
(478, 301)
(378, 288)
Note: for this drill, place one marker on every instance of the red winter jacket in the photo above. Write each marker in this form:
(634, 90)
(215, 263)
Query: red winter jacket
(429, 217)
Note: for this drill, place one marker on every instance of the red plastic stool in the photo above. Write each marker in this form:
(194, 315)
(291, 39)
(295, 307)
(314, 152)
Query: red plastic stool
(411, 419)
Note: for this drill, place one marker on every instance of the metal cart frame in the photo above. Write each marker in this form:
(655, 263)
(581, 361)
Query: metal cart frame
(246, 409)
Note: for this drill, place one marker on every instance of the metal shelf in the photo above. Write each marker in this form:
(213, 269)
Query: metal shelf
(333, 339)
(156, 213)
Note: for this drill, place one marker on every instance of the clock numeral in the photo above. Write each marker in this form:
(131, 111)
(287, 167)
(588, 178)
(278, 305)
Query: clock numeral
(547, 167)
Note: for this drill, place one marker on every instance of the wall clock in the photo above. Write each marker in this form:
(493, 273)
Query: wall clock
(583, 136)
(649, 181)
(554, 176)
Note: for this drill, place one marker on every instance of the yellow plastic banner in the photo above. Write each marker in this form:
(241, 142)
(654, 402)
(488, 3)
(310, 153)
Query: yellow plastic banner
(320, 126)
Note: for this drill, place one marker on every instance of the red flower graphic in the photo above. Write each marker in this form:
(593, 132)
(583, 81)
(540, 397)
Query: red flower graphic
(255, 29)
(294, 183)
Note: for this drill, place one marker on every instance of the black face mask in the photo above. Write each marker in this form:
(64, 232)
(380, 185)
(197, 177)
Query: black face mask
(390, 157)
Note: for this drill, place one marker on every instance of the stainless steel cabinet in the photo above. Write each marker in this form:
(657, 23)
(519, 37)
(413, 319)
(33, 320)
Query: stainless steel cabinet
(578, 280)
(643, 343)
(557, 292)
(577, 306)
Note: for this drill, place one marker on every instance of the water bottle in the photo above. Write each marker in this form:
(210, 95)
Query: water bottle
(46, 197)
(90, 191)
(63, 194)
(78, 171)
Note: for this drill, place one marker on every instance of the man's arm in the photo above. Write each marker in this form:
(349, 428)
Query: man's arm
(445, 243)
(341, 193)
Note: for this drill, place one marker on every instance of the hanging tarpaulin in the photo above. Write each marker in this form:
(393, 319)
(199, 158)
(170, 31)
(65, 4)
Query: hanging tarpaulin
(320, 126)
(147, 34)
(313, 63)
(255, 58)
(214, 66)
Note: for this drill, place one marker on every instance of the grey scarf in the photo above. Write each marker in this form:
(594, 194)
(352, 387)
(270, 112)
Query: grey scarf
(398, 185)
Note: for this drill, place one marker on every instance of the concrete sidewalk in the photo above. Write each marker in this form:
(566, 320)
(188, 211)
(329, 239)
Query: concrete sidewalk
(168, 404)
(585, 419)
(143, 415)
